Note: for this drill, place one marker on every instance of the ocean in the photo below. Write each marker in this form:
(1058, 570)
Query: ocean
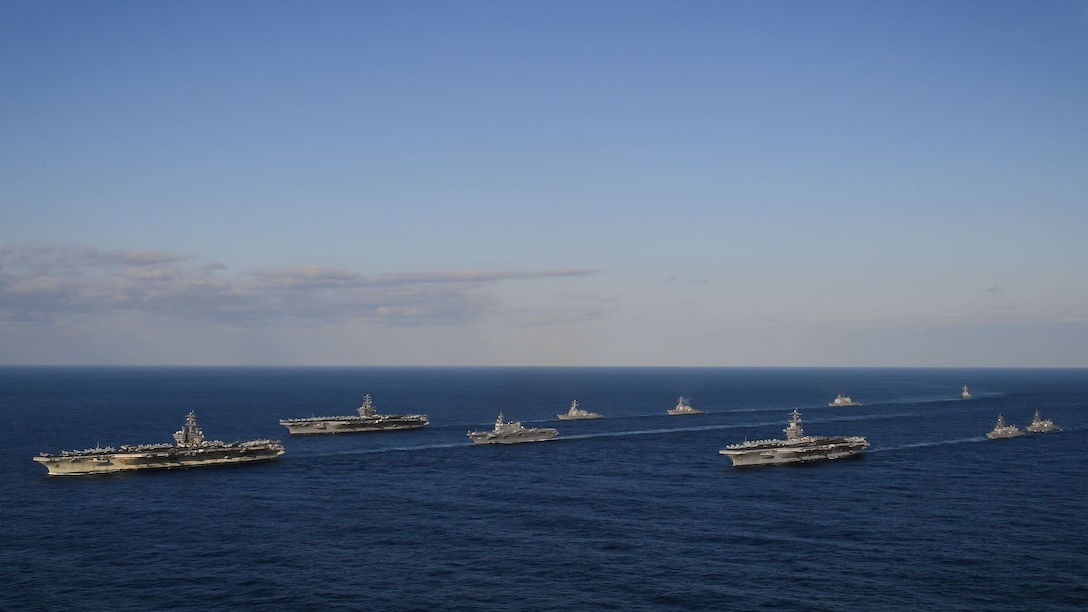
(635, 511)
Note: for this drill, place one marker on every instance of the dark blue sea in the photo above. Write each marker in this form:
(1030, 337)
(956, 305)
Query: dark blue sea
(633, 511)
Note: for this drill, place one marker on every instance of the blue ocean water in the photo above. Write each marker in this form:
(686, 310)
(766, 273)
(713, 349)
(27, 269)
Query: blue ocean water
(633, 511)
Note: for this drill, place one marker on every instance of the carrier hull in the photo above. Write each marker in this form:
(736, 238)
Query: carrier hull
(533, 435)
(816, 451)
(300, 427)
(73, 465)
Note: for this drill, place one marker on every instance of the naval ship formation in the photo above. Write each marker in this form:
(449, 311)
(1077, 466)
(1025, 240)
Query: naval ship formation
(189, 450)
(368, 420)
(796, 448)
(192, 450)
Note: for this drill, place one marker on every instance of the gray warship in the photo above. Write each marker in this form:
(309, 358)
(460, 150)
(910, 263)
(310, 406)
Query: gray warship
(512, 432)
(368, 420)
(843, 401)
(683, 406)
(1041, 425)
(796, 448)
(1003, 430)
(189, 450)
(575, 413)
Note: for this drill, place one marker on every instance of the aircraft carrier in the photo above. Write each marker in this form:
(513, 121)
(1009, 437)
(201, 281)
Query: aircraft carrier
(189, 450)
(368, 420)
(512, 432)
(796, 448)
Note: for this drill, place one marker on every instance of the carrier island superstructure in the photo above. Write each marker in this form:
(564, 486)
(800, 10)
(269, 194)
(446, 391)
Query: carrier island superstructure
(190, 449)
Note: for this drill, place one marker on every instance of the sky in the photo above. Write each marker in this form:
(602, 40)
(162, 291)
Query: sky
(584, 183)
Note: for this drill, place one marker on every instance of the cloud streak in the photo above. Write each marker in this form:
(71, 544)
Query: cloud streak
(51, 284)
(321, 276)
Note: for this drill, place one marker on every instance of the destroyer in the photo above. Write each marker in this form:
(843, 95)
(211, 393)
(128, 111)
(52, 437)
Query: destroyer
(843, 401)
(512, 432)
(683, 407)
(1002, 430)
(190, 450)
(965, 394)
(1041, 425)
(575, 413)
(368, 420)
(796, 448)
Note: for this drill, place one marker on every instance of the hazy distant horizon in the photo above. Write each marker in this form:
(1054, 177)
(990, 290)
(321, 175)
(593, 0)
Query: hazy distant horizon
(652, 184)
(135, 366)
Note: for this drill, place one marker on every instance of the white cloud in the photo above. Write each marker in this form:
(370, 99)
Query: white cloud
(49, 284)
(149, 273)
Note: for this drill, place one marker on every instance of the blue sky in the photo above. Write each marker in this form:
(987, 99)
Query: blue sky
(544, 183)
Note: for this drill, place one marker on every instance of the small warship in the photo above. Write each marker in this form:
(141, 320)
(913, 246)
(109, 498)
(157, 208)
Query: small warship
(965, 394)
(843, 401)
(512, 432)
(1003, 430)
(1041, 425)
(190, 450)
(683, 407)
(368, 420)
(796, 448)
(575, 413)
